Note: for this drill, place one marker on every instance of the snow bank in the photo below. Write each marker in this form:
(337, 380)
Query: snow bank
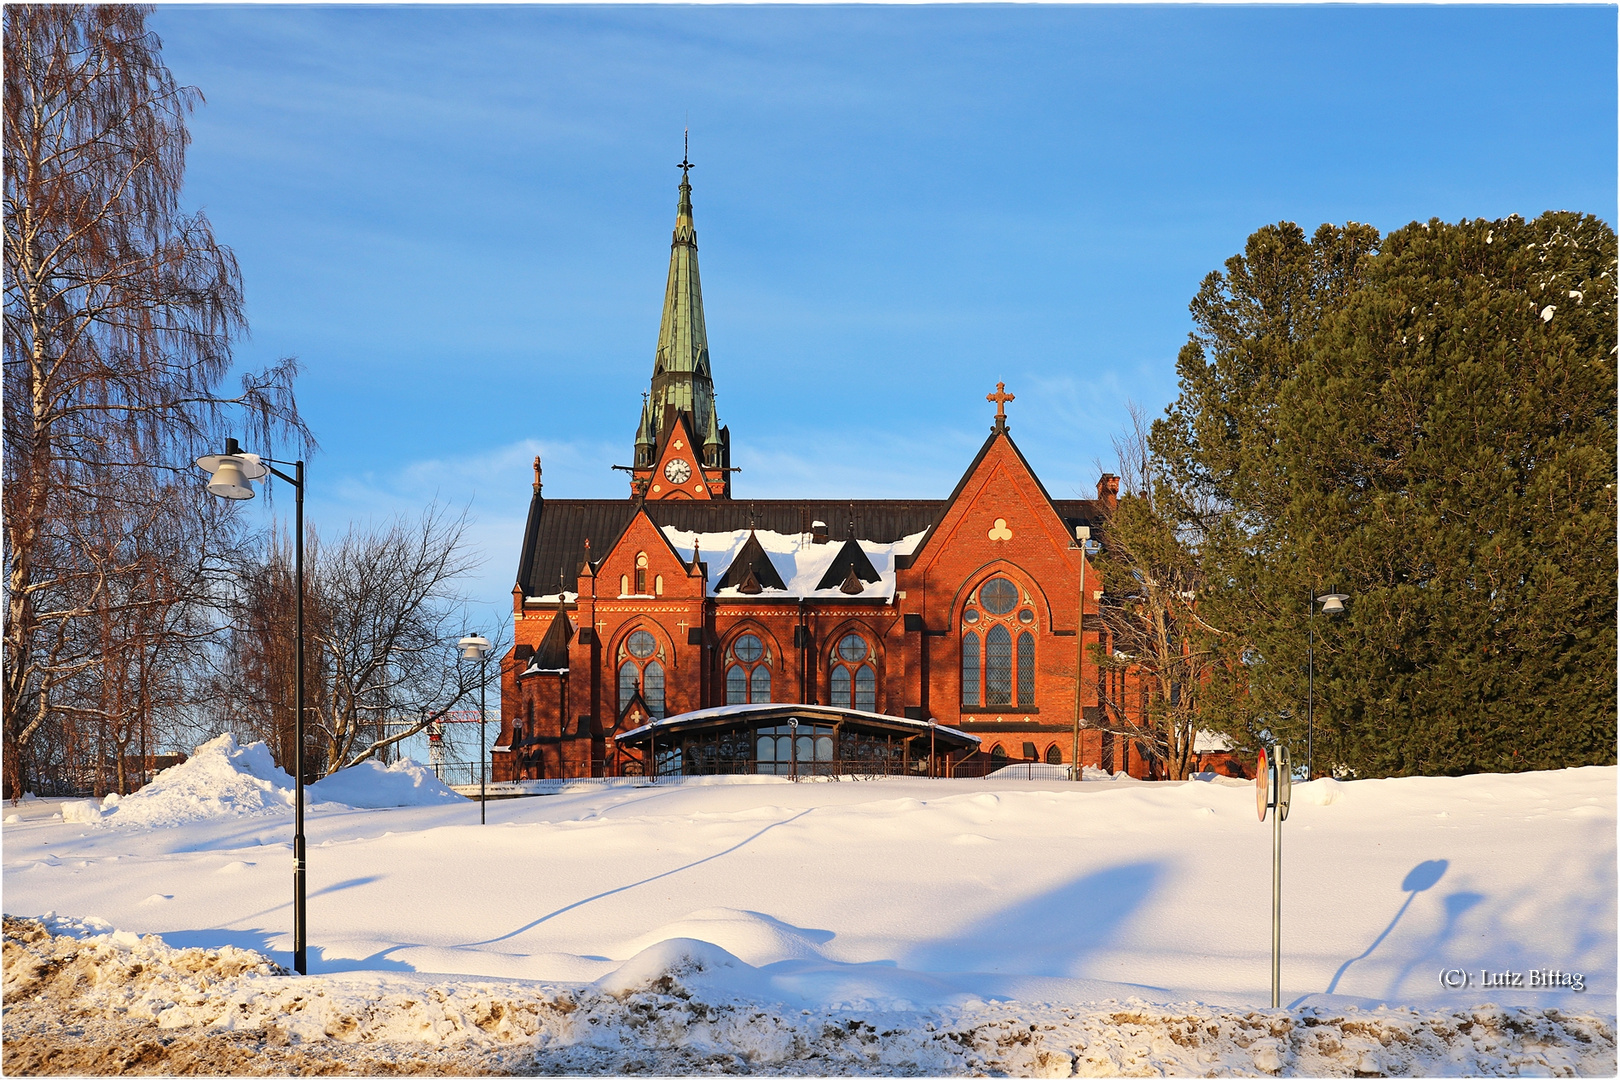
(220, 779)
(371, 786)
(224, 779)
(682, 1007)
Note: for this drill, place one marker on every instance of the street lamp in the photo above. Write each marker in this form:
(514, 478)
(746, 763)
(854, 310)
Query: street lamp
(230, 476)
(476, 647)
(1332, 604)
(1088, 547)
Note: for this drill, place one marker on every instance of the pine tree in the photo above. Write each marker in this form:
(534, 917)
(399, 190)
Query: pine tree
(1437, 440)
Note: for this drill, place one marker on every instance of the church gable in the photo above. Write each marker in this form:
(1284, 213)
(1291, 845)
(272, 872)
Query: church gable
(642, 563)
(677, 470)
(999, 510)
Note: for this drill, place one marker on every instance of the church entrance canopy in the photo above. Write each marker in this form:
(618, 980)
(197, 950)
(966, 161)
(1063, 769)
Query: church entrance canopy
(782, 739)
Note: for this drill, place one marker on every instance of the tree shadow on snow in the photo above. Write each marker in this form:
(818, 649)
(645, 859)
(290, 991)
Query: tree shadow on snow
(526, 927)
(1051, 934)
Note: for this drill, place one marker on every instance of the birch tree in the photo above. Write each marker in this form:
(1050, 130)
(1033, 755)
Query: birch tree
(120, 311)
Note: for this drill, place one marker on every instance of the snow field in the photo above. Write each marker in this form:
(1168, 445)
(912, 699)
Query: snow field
(899, 925)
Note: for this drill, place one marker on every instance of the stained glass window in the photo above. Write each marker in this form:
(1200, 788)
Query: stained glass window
(970, 669)
(841, 687)
(998, 666)
(852, 647)
(652, 688)
(1026, 668)
(641, 644)
(998, 596)
(865, 689)
(629, 677)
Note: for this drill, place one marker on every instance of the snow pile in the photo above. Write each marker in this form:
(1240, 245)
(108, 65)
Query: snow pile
(684, 1006)
(223, 779)
(81, 811)
(372, 786)
(220, 779)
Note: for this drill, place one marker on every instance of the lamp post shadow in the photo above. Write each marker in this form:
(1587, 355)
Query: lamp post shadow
(1421, 878)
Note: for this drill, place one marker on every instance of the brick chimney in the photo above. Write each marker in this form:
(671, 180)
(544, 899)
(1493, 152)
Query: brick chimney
(1108, 490)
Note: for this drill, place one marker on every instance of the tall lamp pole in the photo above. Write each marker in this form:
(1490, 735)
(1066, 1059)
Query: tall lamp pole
(1083, 541)
(230, 477)
(1332, 604)
(476, 647)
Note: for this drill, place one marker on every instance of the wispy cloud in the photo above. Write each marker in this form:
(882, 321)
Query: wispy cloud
(495, 484)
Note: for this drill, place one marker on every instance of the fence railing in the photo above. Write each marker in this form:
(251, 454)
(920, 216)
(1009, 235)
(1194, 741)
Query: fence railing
(978, 766)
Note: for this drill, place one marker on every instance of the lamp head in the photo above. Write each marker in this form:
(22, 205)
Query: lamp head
(473, 647)
(1332, 603)
(228, 481)
(230, 472)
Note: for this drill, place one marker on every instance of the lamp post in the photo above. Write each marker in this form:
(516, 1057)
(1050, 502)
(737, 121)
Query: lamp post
(1332, 604)
(230, 477)
(476, 647)
(1087, 546)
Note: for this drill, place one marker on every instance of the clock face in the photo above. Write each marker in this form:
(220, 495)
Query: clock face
(677, 471)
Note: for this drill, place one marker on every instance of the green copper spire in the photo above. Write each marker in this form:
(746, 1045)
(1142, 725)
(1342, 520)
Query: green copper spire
(681, 366)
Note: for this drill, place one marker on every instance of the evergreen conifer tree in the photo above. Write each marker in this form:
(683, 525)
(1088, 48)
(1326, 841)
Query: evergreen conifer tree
(1428, 426)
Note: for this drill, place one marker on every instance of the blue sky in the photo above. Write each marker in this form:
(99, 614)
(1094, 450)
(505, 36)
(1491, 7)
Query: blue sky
(458, 218)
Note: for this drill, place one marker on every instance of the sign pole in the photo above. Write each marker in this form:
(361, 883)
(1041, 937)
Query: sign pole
(1273, 785)
(1276, 894)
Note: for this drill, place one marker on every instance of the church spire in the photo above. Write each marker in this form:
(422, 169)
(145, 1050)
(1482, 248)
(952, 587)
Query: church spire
(681, 378)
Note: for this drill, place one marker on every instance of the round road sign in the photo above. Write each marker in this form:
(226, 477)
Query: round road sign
(1262, 782)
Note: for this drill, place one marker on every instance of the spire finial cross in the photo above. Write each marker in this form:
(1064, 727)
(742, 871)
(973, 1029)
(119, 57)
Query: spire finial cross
(1000, 397)
(686, 150)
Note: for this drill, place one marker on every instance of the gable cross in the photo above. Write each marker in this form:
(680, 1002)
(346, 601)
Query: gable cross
(1000, 397)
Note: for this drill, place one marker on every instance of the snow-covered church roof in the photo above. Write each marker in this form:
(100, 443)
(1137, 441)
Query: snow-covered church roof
(800, 563)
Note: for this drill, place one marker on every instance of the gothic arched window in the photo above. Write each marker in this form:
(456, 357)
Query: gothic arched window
(853, 681)
(1054, 756)
(970, 668)
(641, 573)
(998, 666)
(1026, 668)
(748, 671)
(997, 609)
(638, 670)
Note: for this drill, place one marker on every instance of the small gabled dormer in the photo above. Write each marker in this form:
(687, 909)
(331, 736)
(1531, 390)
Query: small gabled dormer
(751, 572)
(850, 571)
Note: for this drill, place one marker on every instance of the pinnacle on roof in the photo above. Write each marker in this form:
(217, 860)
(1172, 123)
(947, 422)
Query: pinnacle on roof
(552, 655)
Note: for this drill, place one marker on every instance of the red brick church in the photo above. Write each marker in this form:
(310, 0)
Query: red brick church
(685, 630)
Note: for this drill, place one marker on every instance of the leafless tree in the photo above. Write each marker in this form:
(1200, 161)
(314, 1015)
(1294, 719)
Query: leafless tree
(1159, 645)
(390, 611)
(383, 610)
(120, 309)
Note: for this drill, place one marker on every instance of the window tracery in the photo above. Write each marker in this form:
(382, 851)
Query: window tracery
(748, 671)
(1002, 674)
